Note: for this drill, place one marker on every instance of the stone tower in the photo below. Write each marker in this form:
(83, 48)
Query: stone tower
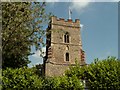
(64, 46)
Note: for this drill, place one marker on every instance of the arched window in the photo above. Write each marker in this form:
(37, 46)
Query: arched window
(67, 56)
(66, 37)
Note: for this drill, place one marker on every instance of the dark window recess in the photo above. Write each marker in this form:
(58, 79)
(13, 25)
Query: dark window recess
(66, 38)
(67, 56)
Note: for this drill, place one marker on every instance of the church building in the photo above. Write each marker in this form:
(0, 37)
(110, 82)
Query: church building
(64, 46)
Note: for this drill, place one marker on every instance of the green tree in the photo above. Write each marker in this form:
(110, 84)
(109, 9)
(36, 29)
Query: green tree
(22, 27)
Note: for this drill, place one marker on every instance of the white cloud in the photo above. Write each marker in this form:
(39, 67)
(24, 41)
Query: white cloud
(79, 6)
(81, 26)
(38, 53)
(36, 58)
(81, 0)
(51, 0)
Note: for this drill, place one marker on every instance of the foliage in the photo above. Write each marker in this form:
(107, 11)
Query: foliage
(76, 70)
(22, 27)
(39, 69)
(62, 83)
(101, 74)
(22, 78)
(71, 83)
(104, 74)
(26, 78)
(0, 79)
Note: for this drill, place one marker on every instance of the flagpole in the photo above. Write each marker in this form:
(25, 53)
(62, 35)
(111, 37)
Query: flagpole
(70, 12)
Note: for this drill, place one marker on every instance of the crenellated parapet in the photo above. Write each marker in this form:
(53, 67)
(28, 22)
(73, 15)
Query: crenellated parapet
(67, 23)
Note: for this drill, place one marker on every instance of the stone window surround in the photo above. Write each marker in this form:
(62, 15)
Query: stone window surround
(65, 56)
(68, 38)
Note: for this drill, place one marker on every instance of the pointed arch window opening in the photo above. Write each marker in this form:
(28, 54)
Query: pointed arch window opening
(67, 56)
(66, 38)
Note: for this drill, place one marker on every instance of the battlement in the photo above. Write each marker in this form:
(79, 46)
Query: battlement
(63, 22)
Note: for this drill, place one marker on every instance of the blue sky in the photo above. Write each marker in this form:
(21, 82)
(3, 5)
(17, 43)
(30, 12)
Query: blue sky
(99, 21)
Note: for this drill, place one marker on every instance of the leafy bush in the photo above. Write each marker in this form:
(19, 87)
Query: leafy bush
(26, 78)
(101, 74)
(71, 83)
(77, 71)
(62, 83)
(22, 78)
(104, 74)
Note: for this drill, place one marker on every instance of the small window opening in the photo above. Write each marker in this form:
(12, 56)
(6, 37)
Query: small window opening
(67, 56)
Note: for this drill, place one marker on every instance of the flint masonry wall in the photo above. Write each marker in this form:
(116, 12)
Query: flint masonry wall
(56, 63)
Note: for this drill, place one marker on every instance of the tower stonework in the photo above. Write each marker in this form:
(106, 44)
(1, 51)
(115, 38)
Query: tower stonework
(64, 46)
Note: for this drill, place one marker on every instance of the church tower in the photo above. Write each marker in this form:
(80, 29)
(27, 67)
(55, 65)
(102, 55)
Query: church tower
(64, 46)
